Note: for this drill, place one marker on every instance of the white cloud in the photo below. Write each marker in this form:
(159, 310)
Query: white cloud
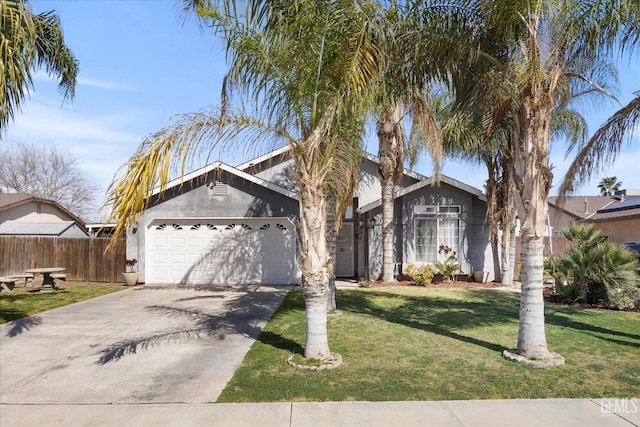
(101, 143)
(42, 76)
(103, 84)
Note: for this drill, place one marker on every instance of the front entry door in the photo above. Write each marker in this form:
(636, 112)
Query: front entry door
(344, 251)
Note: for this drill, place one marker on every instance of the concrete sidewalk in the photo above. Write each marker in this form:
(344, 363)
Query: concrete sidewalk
(490, 413)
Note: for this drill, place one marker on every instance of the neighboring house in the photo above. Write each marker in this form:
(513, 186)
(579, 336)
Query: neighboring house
(24, 214)
(48, 229)
(100, 229)
(564, 211)
(618, 217)
(223, 224)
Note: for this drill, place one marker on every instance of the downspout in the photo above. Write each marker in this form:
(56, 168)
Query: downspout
(366, 247)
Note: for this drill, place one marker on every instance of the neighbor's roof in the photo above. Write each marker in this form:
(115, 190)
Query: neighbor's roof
(580, 207)
(630, 207)
(37, 228)
(9, 199)
(13, 200)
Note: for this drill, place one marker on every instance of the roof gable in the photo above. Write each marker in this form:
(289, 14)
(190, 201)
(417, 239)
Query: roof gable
(425, 183)
(284, 151)
(580, 207)
(39, 228)
(230, 169)
(10, 201)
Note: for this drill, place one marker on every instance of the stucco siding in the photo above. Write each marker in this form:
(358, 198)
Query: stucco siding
(30, 212)
(474, 252)
(621, 230)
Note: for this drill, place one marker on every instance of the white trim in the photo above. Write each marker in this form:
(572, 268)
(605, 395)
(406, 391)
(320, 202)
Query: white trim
(424, 183)
(405, 171)
(231, 170)
(263, 158)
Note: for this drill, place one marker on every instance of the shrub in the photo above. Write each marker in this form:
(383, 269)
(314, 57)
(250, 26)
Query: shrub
(449, 265)
(421, 274)
(364, 283)
(596, 270)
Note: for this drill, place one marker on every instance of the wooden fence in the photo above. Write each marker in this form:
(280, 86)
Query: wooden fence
(84, 259)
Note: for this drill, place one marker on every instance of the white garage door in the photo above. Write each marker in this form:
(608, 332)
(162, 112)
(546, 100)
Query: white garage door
(221, 251)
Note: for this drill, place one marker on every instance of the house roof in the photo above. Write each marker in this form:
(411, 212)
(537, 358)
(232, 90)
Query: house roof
(265, 157)
(580, 207)
(230, 169)
(37, 228)
(618, 209)
(286, 148)
(13, 200)
(9, 199)
(427, 181)
(408, 172)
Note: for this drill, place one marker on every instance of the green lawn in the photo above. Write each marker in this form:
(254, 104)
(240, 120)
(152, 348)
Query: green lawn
(439, 344)
(23, 302)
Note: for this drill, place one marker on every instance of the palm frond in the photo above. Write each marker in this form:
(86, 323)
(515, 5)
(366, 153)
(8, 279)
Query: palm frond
(168, 152)
(28, 42)
(603, 147)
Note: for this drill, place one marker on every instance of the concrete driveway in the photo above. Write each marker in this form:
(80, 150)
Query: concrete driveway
(148, 344)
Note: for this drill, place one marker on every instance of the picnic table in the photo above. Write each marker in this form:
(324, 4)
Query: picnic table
(47, 281)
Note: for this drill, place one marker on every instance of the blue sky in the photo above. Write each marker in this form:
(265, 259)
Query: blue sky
(142, 64)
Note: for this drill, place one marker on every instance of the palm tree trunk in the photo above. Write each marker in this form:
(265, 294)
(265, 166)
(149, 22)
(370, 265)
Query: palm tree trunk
(387, 229)
(332, 233)
(532, 342)
(512, 251)
(505, 241)
(533, 181)
(391, 147)
(314, 260)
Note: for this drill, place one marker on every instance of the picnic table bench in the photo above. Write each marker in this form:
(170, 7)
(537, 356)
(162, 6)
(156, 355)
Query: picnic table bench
(28, 278)
(7, 283)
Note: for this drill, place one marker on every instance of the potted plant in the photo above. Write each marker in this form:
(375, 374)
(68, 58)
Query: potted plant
(481, 276)
(131, 276)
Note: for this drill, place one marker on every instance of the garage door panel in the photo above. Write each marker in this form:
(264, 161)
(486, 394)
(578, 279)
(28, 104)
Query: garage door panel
(218, 251)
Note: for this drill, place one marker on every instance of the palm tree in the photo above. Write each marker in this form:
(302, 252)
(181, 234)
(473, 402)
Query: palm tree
(303, 64)
(608, 186)
(599, 269)
(553, 49)
(413, 37)
(29, 42)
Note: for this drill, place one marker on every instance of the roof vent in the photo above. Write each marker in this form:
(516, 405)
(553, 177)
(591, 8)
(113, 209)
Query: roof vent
(219, 187)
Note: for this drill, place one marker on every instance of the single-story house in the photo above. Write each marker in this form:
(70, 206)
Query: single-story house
(618, 217)
(27, 215)
(224, 224)
(47, 229)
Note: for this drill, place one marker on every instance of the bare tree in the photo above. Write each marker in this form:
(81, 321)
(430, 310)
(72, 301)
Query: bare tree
(45, 171)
